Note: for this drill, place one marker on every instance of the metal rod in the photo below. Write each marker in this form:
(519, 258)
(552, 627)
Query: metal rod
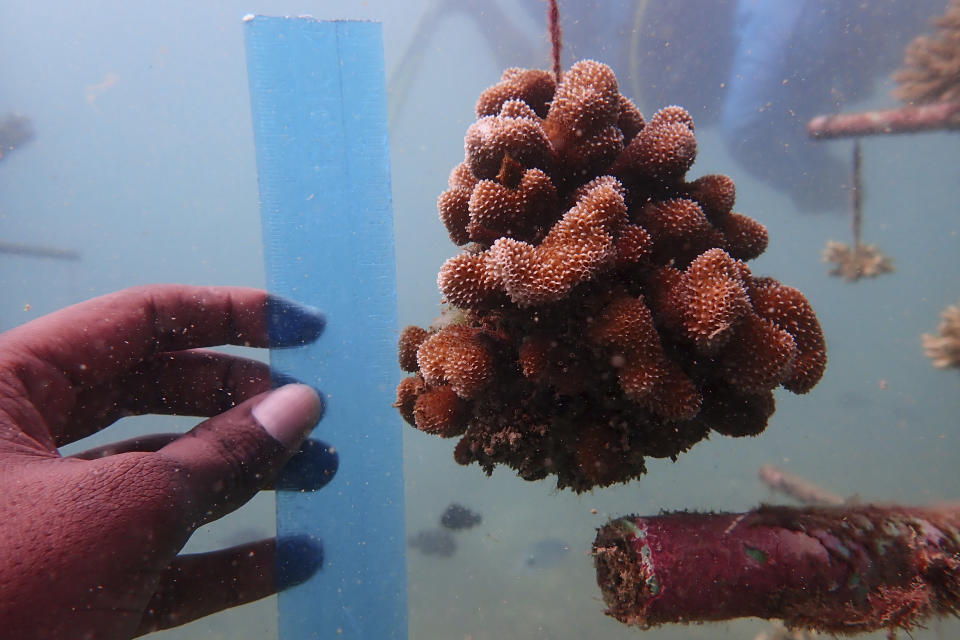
(35, 251)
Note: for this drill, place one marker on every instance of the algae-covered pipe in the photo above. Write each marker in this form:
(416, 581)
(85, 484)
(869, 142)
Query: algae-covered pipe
(941, 116)
(835, 569)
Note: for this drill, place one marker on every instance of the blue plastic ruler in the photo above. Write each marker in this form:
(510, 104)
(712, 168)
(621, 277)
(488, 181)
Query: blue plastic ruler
(320, 125)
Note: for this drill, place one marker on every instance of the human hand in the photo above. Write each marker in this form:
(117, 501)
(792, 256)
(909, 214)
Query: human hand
(88, 544)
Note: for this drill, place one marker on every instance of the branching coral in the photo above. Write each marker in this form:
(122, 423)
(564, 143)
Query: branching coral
(931, 70)
(944, 349)
(858, 261)
(605, 311)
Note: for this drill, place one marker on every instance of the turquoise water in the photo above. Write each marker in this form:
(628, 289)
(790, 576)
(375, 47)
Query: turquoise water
(144, 163)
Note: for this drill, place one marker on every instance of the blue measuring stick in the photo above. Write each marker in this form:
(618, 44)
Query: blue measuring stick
(320, 125)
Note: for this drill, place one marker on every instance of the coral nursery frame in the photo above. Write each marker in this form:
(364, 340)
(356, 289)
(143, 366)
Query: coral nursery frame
(320, 123)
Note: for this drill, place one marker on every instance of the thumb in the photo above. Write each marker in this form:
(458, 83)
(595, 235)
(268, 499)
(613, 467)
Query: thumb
(225, 460)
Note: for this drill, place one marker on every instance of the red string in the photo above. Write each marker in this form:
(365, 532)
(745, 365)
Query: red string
(555, 38)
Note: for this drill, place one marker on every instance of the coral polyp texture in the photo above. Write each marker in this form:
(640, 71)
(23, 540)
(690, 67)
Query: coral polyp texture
(602, 310)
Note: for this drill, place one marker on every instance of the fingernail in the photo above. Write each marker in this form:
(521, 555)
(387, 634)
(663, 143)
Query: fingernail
(312, 468)
(298, 558)
(279, 379)
(291, 324)
(289, 413)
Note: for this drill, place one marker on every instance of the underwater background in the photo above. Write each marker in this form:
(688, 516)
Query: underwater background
(144, 163)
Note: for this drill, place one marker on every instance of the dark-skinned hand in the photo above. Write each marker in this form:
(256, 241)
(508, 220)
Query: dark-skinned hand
(89, 543)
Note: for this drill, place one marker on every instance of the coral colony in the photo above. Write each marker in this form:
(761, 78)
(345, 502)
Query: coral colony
(602, 310)
(944, 349)
(931, 71)
(856, 260)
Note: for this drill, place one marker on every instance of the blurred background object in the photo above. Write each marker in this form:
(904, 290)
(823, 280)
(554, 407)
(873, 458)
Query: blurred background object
(758, 70)
(944, 349)
(16, 130)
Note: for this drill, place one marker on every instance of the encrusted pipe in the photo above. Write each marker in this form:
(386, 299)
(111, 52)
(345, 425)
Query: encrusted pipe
(942, 116)
(835, 569)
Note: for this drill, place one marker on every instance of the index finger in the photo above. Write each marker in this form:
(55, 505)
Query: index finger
(94, 341)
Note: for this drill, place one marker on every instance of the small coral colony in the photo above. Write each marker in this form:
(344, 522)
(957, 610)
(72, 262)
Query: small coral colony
(601, 310)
